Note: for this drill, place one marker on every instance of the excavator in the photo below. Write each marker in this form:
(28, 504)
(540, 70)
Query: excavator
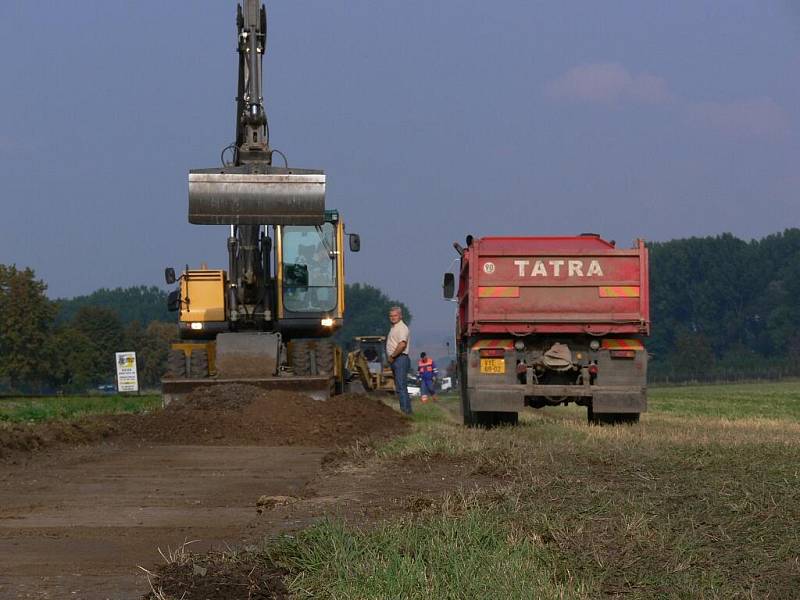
(268, 319)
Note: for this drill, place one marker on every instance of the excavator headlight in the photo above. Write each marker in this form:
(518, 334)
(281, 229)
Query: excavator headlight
(327, 322)
(197, 326)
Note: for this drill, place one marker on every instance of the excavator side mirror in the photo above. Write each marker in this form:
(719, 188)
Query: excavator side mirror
(449, 285)
(173, 300)
(355, 242)
(169, 275)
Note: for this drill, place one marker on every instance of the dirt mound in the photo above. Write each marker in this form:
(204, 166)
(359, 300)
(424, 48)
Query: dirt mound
(204, 577)
(29, 437)
(236, 415)
(244, 415)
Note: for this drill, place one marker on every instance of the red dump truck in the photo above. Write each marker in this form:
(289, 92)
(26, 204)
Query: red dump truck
(544, 321)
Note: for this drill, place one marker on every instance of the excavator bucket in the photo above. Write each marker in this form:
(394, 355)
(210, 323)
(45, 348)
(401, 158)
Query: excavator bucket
(256, 195)
(248, 358)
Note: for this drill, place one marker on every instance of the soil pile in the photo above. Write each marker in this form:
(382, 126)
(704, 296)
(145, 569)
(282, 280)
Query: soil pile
(208, 577)
(29, 437)
(236, 415)
(247, 415)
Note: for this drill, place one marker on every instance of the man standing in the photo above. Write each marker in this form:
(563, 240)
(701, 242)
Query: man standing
(427, 371)
(397, 346)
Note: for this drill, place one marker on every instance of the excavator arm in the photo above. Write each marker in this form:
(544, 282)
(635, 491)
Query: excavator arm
(249, 190)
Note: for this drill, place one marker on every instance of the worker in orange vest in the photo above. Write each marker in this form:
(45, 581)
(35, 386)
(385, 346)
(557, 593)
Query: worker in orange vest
(428, 373)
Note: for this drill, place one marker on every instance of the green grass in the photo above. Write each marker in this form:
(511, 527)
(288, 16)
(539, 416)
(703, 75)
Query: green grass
(699, 500)
(476, 554)
(73, 407)
(760, 400)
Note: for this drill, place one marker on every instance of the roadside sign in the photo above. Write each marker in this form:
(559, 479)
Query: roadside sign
(127, 378)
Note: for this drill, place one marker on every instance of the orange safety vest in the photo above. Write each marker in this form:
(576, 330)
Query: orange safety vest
(425, 366)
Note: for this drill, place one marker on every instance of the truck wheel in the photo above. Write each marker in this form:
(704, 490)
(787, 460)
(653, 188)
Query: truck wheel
(612, 418)
(198, 364)
(485, 418)
(176, 364)
(325, 357)
(470, 417)
(507, 418)
(489, 419)
(300, 357)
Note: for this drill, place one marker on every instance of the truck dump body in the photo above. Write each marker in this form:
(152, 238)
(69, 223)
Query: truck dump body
(544, 321)
(545, 284)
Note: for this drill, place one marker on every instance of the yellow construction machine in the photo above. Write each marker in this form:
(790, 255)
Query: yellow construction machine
(367, 364)
(268, 319)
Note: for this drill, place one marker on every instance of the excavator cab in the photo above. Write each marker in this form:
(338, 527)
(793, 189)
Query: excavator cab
(310, 277)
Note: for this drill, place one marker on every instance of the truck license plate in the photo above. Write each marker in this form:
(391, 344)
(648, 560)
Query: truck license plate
(493, 365)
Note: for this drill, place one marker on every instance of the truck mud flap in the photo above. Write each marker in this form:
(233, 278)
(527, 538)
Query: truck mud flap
(495, 399)
(634, 401)
(317, 387)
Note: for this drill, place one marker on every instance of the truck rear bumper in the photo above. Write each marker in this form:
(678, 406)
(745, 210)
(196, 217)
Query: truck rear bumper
(604, 399)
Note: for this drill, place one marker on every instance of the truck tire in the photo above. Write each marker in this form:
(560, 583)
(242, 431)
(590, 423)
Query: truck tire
(507, 418)
(490, 419)
(485, 419)
(325, 355)
(300, 357)
(198, 364)
(176, 364)
(611, 418)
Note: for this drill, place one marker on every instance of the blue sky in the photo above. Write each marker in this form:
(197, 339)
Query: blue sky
(432, 120)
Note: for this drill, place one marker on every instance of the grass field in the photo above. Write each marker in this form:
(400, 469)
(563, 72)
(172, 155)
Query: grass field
(37, 410)
(700, 500)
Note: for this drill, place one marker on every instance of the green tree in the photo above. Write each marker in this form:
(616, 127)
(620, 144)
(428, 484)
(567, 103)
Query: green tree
(72, 359)
(102, 327)
(366, 312)
(26, 317)
(137, 303)
(151, 345)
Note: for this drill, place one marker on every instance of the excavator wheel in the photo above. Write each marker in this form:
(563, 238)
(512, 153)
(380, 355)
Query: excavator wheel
(176, 364)
(300, 357)
(325, 355)
(198, 364)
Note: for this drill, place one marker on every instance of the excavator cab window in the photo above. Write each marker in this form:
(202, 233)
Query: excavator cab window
(309, 268)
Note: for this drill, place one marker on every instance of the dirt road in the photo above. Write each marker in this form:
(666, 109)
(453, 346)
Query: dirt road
(79, 526)
(76, 522)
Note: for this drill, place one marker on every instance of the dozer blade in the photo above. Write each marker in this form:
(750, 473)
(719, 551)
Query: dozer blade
(317, 387)
(247, 354)
(248, 358)
(250, 195)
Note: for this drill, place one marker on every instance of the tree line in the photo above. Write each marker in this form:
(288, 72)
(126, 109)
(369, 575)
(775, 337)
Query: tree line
(721, 308)
(68, 345)
(725, 308)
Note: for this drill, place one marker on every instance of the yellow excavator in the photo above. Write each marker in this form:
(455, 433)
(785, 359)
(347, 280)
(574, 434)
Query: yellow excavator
(268, 319)
(368, 366)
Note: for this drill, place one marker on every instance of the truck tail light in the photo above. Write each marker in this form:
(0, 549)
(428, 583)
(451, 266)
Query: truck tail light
(492, 352)
(623, 354)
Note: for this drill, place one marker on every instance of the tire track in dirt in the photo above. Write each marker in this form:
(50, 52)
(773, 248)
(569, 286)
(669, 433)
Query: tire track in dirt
(75, 522)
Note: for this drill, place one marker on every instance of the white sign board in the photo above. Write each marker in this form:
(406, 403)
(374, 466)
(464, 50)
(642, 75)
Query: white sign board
(127, 378)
